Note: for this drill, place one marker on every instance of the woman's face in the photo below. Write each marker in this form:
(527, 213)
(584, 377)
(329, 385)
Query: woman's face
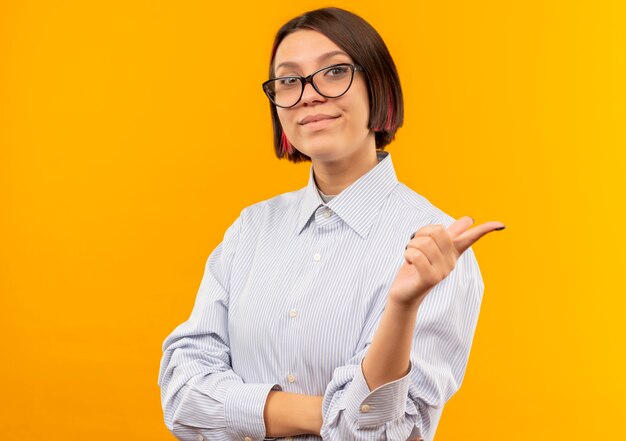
(334, 139)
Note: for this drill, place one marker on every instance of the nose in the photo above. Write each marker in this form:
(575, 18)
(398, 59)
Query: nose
(310, 95)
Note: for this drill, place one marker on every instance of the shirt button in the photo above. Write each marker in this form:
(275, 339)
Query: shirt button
(200, 437)
(291, 378)
(365, 408)
(247, 438)
(326, 213)
(293, 313)
(317, 257)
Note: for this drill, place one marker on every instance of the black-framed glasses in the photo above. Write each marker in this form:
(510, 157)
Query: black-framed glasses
(330, 82)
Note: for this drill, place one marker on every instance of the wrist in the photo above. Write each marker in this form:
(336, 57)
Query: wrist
(314, 416)
(402, 306)
(291, 414)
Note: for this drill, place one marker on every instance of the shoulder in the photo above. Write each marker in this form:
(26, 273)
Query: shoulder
(280, 206)
(254, 218)
(414, 203)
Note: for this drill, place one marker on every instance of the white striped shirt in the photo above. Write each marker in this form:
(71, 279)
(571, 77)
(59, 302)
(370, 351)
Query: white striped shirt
(290, 300)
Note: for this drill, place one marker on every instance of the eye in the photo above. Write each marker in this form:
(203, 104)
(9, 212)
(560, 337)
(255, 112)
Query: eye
(287, 81)
(337, 71)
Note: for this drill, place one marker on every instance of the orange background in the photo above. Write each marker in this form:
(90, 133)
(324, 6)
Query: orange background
(132, 133)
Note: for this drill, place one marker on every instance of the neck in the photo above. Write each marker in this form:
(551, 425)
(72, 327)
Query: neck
(331, 177)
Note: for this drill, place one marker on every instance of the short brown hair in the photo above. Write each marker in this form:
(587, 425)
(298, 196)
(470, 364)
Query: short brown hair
(366, 47)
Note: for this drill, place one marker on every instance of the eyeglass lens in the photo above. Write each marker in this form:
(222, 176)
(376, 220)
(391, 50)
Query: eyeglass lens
(330, 82)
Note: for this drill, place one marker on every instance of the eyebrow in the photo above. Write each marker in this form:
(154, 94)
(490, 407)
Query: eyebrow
(320, 58)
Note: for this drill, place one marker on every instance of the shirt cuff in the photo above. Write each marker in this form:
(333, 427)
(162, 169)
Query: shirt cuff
(374, 408)
(243, 410)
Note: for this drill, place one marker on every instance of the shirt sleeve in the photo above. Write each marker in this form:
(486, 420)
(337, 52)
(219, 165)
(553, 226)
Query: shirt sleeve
(409, 408)
(201, 396)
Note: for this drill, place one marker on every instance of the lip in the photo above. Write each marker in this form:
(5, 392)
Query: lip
(320, 124)
(318, 117)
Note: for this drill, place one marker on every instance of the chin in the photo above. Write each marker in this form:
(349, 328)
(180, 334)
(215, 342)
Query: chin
(318, 148)
(326, 155)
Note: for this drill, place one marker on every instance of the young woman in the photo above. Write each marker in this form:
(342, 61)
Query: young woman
(341, 311)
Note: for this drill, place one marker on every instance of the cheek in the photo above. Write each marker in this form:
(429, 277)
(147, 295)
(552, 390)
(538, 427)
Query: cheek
(359, 105)
(358, 115)
(281, 118)
(365, 106)
(286, 120)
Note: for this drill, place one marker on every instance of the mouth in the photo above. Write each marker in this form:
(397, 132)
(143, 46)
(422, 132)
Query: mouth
(320, 123)
(319, 117)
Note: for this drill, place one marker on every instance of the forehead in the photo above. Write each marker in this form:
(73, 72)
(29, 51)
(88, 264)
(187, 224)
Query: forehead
(304, 48)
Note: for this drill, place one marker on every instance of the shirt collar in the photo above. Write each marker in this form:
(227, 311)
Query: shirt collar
(357, 204)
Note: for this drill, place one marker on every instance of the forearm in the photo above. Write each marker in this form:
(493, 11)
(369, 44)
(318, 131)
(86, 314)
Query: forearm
(291, 414)
(387, 358)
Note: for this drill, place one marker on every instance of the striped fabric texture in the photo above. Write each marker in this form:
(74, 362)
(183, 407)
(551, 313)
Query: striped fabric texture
(290, 300)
